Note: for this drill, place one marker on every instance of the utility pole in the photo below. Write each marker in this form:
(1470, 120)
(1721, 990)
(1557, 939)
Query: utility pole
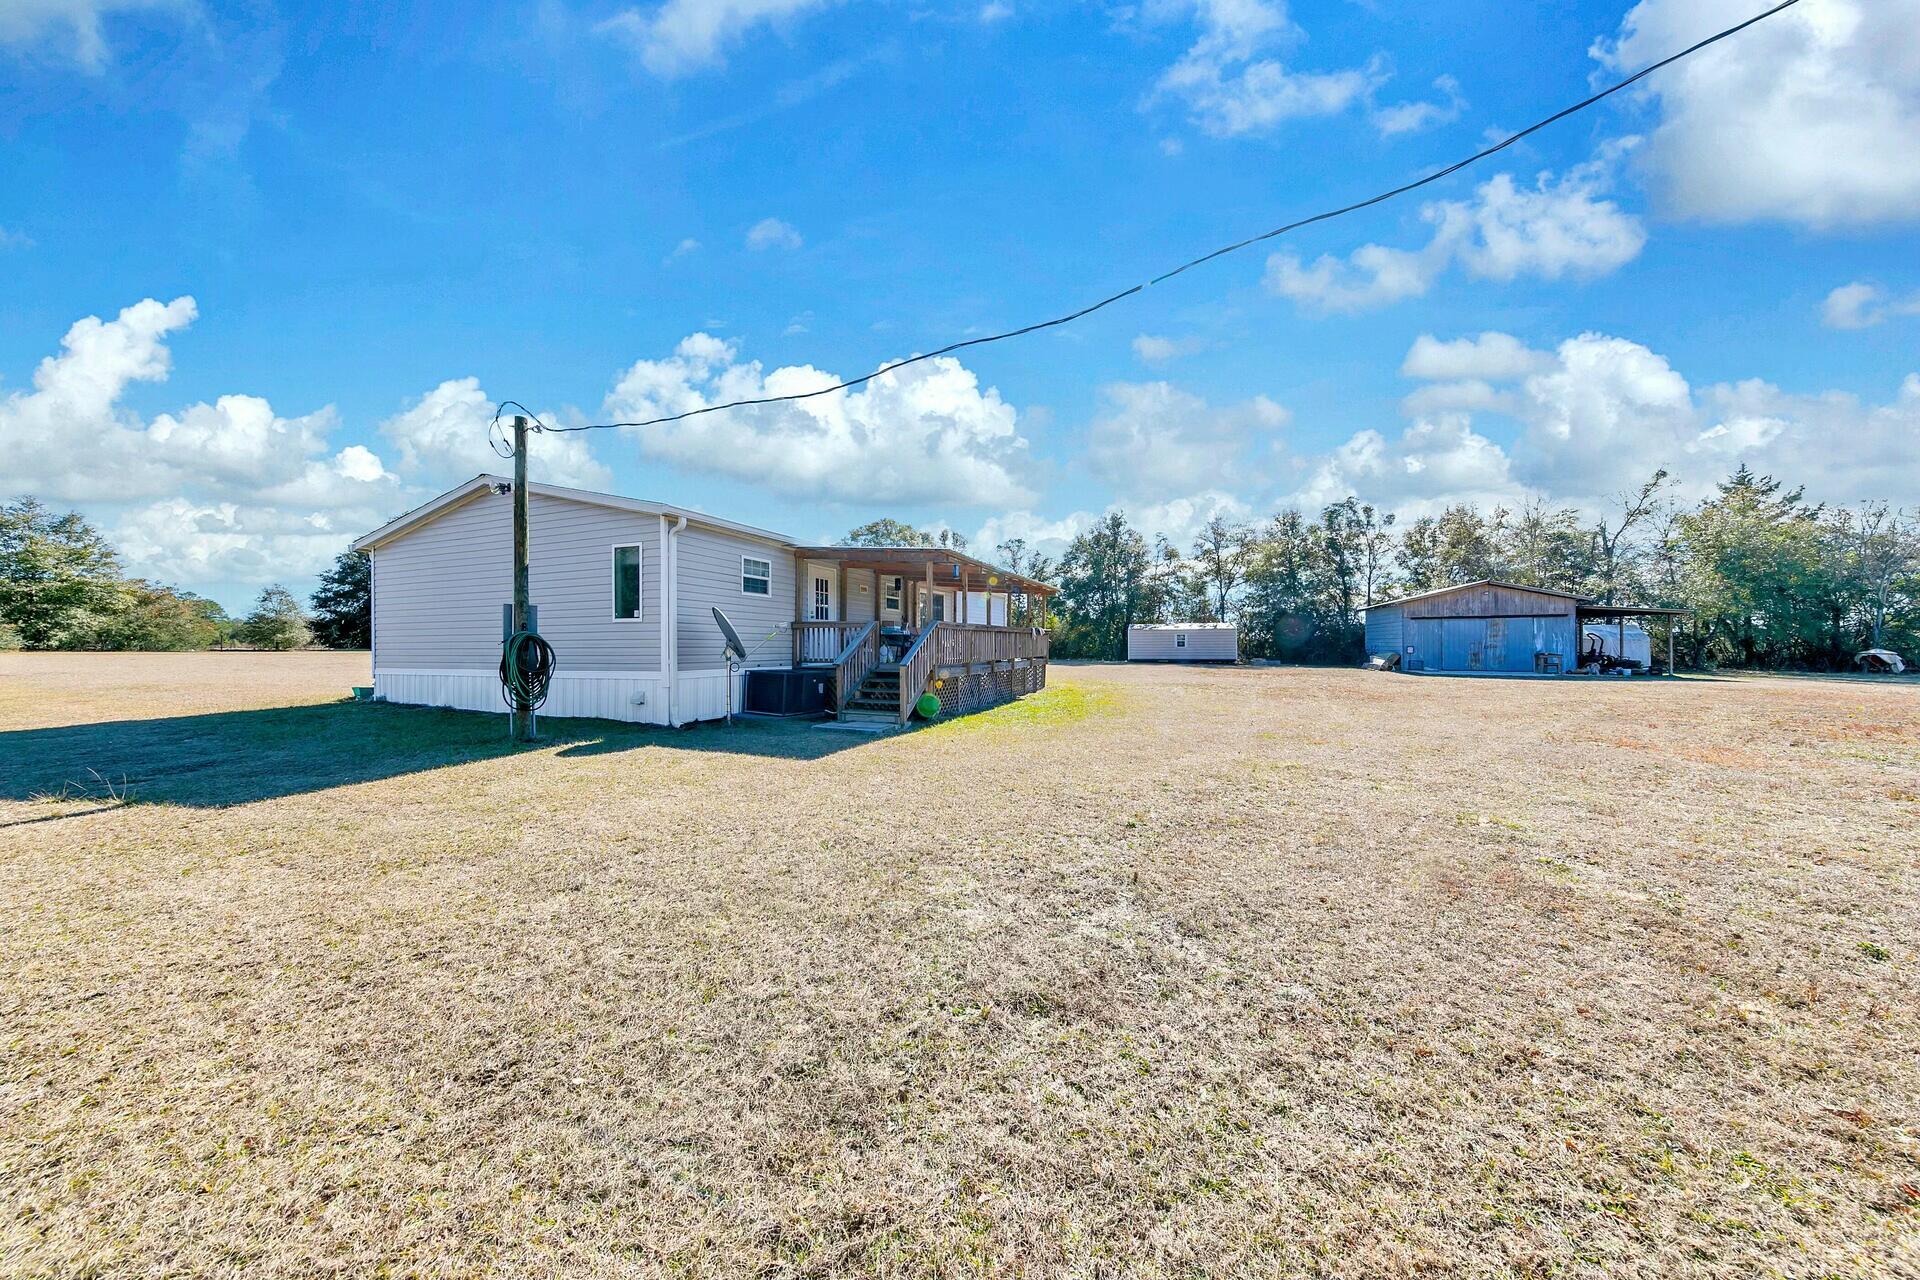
(522, 708)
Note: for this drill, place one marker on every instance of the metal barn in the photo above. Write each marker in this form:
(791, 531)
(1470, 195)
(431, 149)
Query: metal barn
(1183, 642)
(1492, 626)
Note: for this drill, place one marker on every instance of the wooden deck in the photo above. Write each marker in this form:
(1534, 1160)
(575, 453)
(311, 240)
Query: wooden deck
(911, 662)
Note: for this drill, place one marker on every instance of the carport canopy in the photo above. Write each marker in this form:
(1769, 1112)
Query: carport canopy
(1619, 613)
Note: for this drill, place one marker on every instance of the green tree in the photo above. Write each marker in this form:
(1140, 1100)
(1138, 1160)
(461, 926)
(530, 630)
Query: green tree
(160, 618)
(1751, 560)
(887, 532)
(1110, 578)
(277, 621)
(1542, 546)
(1220, 554)
(60, 582)
(343, 604)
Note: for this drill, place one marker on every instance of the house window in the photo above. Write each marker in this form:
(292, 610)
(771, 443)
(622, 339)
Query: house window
(823, 599)
(756, 577)
(626, 582)
(939, 607)
(893, 590)
(1179, 639)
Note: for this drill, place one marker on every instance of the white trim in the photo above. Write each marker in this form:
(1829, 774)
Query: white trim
(767, 561)
(639, 581)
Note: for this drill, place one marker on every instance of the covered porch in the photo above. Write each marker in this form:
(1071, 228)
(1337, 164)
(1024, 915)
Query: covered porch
(895, 623)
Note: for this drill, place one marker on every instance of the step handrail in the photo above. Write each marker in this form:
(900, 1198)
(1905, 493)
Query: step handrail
(916, 670)
(855, 663)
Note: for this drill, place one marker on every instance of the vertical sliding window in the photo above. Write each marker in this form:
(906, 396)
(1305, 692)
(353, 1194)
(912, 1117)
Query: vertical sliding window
(626, 582)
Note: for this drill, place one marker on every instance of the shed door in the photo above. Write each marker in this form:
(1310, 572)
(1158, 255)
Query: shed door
(1463, 644)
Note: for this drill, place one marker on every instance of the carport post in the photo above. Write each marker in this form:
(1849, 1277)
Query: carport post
(1671, 624)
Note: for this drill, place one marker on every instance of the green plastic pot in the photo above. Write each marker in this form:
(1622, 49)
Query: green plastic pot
(928, 706)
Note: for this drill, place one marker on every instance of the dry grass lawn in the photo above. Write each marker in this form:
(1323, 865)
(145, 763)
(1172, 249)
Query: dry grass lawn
(1164, 973)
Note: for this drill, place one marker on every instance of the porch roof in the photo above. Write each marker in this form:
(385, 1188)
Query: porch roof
(948, 567)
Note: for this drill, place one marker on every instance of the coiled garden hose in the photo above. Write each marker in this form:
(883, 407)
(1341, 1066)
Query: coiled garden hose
(526, 669)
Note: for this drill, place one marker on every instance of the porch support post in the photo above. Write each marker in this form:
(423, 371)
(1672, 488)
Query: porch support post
(966, 595)
(799, 597)
(927, 604)
(843, 590)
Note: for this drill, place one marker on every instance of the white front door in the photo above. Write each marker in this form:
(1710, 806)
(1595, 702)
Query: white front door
(822, 598)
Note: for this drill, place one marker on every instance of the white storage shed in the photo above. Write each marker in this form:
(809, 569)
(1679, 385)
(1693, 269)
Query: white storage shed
(1183, 642)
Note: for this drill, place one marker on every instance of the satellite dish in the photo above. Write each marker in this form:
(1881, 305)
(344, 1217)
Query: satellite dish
(734, 648)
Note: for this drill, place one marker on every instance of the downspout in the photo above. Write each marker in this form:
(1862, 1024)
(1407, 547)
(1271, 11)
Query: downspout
(670, 623)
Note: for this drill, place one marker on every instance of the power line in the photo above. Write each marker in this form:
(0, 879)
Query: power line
(1224, 250)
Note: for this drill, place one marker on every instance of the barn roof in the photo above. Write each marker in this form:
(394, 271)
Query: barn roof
(1469, 586)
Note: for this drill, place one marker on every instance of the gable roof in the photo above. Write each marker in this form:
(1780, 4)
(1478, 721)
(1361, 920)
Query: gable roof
(1469, 586)
(460, 495)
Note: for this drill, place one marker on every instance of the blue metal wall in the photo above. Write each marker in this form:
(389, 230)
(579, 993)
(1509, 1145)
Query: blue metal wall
(1384, 630)
(1485, 644)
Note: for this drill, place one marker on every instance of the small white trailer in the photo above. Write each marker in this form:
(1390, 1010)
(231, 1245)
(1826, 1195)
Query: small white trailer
(1183, 642)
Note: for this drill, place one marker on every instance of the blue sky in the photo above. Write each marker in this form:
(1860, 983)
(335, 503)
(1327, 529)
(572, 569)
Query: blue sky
(320, 242)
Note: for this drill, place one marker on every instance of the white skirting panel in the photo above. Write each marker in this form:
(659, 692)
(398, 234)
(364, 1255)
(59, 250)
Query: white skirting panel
(600, 695)
(702, 695)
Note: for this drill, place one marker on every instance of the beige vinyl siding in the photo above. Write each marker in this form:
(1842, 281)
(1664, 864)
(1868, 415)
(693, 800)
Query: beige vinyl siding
(710, 575)
(860, 605)
(439, 588)
(1161, 644)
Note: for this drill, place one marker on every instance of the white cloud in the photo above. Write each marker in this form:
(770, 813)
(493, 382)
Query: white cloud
(771, 233)
(1152, 349)
(1432, 462)
(1861, 306)
(180, 540)
(208, 492)
(681, 36)
(1152, 440)
(681, 250)
(925, 433)
(1498, 357)
(1412, 117)
(74, 25)
(1042, 536)
(1231, 84)
(1549, 230)
(995, 11)
(1603, 412)
(10, 239)
(1179, 520)
(1808, 117)
(443, 436)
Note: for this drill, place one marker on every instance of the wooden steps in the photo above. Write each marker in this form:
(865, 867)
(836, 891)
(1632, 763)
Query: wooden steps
(877, 699)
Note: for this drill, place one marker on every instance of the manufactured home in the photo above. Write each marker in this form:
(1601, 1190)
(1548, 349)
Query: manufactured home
(625, 591)
(1183, 642)
(1491, 626)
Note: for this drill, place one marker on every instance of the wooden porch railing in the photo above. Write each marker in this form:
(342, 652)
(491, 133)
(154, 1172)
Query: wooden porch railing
(953, 644)
(821, 642)
(960, 644)
(850, 669)
(916, 668)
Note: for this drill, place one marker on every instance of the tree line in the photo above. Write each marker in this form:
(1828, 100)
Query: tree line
(62, 587)
(1768, 579)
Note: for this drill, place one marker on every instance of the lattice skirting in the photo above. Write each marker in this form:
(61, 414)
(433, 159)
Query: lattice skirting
(961, 691)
